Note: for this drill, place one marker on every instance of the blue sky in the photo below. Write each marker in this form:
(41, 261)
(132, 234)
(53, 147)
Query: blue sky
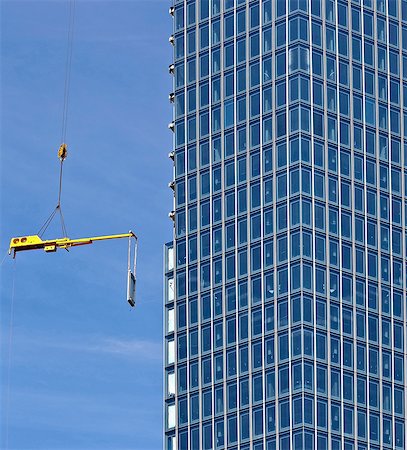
(86, 370)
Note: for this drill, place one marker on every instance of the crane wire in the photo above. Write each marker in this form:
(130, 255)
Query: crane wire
(58, 207)
(10, 343)
(68, 65)
(60, 182)
(67, 86)
(4, 258)
(65, 108)
(44, 227)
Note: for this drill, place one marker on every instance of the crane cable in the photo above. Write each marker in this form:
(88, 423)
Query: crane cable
(9, 359)
(68, 64)
(62, 152)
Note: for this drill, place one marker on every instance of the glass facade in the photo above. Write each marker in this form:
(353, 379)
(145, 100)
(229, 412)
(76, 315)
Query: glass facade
(285, 284)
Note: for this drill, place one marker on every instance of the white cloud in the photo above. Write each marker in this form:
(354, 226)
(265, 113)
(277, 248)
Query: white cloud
(126, 347)
(137, 349)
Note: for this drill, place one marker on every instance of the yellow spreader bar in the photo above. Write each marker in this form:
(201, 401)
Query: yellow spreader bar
(19, 244)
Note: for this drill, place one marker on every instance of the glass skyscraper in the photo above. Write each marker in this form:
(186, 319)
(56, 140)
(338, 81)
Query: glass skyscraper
(285, 284)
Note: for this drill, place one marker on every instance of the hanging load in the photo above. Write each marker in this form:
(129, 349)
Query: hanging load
(23, 243)
(36, 242)
(131, 272)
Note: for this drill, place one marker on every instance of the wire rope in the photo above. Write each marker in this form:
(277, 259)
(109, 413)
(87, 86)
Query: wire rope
(68, 65)
(4, 258)
(65, 107)
(10, 344)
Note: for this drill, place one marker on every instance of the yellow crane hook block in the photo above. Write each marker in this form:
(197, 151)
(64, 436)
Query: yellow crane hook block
(63, 152)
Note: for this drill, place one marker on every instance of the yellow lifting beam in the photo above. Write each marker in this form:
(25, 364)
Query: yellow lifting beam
(34, 242)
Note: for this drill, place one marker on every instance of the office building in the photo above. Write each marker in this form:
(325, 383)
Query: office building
(285, 284)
